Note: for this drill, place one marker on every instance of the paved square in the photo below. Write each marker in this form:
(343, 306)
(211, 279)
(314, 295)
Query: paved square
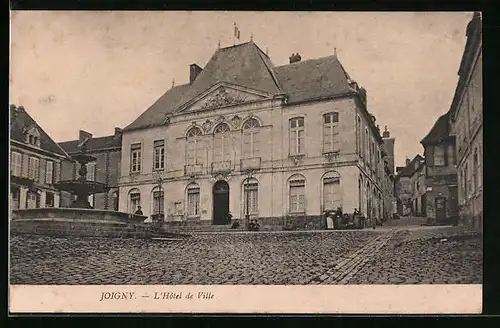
(315, 257)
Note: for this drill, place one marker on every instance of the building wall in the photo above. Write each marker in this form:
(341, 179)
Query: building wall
(469, 131)
(276, 164)
(39, 185)
(441, 182)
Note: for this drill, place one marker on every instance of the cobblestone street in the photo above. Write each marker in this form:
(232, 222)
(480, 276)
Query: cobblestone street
(382, 256)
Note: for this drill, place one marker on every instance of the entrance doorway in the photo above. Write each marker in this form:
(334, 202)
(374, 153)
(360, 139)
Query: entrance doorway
(220, 203)
(440, 209)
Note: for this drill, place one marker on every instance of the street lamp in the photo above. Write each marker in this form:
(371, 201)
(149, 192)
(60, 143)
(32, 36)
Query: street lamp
(157, 176)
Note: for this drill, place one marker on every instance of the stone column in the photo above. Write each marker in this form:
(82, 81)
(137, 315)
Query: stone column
(23, 194)
(42, 199)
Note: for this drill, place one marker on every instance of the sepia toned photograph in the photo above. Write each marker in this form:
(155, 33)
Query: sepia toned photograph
(219, 148)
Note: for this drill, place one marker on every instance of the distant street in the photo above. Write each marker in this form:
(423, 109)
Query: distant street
(411, 255)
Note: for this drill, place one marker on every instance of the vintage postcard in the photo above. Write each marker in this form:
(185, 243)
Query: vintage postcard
(246, 162)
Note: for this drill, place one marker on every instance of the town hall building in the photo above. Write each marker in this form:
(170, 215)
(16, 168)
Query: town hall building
(278, 144)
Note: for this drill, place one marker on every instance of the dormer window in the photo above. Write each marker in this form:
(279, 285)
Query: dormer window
(33, 137)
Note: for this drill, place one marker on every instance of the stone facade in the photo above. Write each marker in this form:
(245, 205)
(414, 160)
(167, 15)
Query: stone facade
(404, 186)
(418, 189)
(106, 168)
(35, 163)
(467, 118)
(441, 172)
(295, 175)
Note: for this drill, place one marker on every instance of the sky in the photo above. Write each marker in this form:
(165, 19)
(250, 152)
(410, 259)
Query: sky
(94, 71)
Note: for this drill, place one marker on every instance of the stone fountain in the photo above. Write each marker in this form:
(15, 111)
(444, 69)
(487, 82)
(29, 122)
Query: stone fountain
(81, 219)
(82, 187)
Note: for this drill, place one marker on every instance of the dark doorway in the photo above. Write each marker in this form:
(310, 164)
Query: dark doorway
(440, 209)
(424, 205)
(220, 203)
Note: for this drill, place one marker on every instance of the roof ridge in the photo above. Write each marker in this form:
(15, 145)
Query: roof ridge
(305, 61)
(269, 69)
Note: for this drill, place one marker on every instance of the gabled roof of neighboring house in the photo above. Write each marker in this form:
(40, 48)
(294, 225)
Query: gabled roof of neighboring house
(410, 168)
(439, 131)
(246, 65)
(93, 144)
(21, 122)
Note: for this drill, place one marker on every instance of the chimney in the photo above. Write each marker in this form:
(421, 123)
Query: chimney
(82, 135)
(294, 58)
(407, 161)
(386, 133)
(194, 70)
(118, 131)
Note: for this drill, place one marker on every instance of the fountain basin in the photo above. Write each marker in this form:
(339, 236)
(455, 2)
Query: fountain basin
(64, 222)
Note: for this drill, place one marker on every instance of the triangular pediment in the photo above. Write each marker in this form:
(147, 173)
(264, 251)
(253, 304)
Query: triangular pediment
(223, 95)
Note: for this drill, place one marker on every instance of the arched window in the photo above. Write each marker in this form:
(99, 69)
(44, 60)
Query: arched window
(222, 146)
(194, 148)
(250, 138)
(297, 134)
(158, 200)
(193, 200)
(134, 197)
(330, 133)
(297, 194)
(250, 196)
(332, 194)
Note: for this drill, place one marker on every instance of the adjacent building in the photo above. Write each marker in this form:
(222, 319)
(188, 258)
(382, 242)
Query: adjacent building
(466, 114)
(35, 163)
(280, 144)
(418, 190)
(441, 172)
(404, 186)
(106, 168)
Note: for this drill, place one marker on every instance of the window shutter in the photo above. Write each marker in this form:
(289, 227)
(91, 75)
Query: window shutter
(42, 165)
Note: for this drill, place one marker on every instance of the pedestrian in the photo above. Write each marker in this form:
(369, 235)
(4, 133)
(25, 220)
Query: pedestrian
(229, 216)
(139, 211)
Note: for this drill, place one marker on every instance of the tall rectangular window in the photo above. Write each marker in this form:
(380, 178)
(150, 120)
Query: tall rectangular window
(15, 165)
(193, 201)
(297, 142)
(450, 155)
(49, 172)
(135, 158)
(158, 201)
(91, 167)
(331, 194)
(222, 143)
(158, 155)
(297, 196)
(34, 168)
(439, 156)
(251, 197)
(49, 199)
(358, 136)
(366, 147)
(330, 139)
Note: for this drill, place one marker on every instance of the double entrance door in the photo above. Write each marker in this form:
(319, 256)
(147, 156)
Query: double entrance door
(220, 203)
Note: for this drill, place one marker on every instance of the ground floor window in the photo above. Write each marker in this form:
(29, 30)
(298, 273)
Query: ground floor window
(158, 202)
(297, 196)
(251, 196)
(332, 198)
(135, 200)
(32, 199)
(193, 200)
(49, 199)
(15, 196)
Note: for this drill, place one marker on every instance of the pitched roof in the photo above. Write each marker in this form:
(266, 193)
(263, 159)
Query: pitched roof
(93, 144)
(440, 130)
(313, 79)
(410, 168)
(21, 121)
(246, 65)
